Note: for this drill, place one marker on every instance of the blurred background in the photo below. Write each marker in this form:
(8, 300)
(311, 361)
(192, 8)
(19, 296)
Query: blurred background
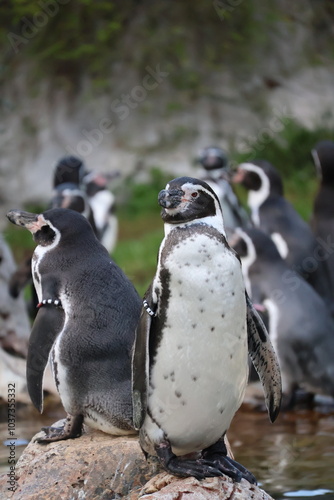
(138, 88)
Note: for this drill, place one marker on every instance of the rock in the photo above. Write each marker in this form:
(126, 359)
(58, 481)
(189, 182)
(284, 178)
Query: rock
(211, 488)
(101, 467)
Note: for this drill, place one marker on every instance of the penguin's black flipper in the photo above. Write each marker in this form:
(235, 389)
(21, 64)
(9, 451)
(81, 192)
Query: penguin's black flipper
(264, 360)
(48, 323)
(140, 362)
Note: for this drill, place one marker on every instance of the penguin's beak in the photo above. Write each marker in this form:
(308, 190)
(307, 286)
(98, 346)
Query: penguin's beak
(32, 222)
(238, 176)
(170, 198)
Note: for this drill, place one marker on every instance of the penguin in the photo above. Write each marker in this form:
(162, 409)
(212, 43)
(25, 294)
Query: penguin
(322, 220)
(216, 174)
(300, 325)
(87, 315)
(69, 170)
(197, 325)
(293, 237)
(102, 203)
(69, 188)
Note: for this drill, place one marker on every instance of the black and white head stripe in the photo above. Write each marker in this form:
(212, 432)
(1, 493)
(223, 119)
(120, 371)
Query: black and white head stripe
(186, 199)
(263, 176)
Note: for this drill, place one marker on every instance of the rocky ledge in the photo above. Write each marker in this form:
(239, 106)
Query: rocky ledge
(100, 467)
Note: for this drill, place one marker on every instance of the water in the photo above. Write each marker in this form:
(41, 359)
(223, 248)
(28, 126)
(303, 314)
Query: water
(292, 458)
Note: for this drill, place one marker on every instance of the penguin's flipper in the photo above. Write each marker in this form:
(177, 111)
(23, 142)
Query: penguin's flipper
(48, 323)
(264, 360)
(140, 362)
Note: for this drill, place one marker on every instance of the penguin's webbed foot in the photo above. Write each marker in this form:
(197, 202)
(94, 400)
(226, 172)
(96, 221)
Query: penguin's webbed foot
(71, 429)
(216, 455)
(232, 469)
(197, 468)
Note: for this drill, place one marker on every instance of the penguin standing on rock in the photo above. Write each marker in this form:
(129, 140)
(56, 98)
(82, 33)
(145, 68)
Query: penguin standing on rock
(197, 326)
(87, 315)
(300, 325)
(293, 237)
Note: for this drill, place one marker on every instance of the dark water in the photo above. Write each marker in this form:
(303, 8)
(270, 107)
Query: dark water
(292, 458)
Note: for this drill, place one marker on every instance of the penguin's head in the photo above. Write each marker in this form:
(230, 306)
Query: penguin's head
(50, 226)
(186, 199)
(323, 158)
(212, 158)
(69, 169)
(259, 175)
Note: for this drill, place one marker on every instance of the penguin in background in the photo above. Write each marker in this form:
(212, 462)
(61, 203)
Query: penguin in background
(293, 237)
(73, 188)
(190, 362)
(102, 203)
(300, 325)
(322, 221)
(87, 315)
(69, 188)
(216, 173)
(68, 193)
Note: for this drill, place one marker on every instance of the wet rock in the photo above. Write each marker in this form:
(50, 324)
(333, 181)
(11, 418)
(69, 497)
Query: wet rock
(101, 467)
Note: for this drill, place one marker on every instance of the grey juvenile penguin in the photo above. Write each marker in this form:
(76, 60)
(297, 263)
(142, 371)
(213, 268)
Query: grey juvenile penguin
(88, 312)
(196, 329)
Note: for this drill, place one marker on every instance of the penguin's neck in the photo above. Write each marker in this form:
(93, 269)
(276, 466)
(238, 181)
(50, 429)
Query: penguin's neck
(212, 221)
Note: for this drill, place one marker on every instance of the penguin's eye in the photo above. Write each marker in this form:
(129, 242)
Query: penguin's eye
(194, 194)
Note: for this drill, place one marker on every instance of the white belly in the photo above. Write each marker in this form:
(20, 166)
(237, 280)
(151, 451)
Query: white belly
(200, 372)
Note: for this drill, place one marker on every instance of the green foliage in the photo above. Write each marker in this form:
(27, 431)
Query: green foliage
(137, 256)
(290, 148)
(142, 198)
(75, 37)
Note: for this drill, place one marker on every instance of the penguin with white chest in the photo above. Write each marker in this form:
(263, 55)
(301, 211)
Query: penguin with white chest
(86, 322)
(197, 326)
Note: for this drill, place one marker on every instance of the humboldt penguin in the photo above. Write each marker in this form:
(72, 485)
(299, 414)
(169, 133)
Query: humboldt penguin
(293, 237)
(197, 325)
(87, 315)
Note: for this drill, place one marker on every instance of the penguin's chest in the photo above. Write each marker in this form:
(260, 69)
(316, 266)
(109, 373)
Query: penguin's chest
(199, 375)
